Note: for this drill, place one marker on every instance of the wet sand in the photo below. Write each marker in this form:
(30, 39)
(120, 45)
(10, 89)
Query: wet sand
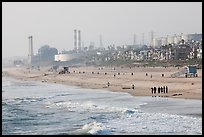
(120, 79)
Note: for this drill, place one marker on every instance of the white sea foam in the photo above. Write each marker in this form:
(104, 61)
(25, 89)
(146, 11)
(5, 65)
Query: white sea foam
(92, 127)
(156, 123)
(59, 109)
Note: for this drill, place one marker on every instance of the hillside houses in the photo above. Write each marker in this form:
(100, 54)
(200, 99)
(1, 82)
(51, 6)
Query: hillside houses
(181, 51)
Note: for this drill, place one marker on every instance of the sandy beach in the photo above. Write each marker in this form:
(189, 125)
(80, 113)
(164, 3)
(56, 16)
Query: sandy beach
(120, 79)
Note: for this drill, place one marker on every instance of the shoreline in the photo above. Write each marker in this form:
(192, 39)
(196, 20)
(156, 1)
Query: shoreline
(120, 79)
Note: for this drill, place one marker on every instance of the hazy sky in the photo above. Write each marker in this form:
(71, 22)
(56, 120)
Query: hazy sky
(53, 23)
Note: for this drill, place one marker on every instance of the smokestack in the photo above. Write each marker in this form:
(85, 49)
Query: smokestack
(75, 40)
(30, 49)
(134, 39)
(101, 42)
(31, 40)
(151, 38)
(143, 39)
(79, 40)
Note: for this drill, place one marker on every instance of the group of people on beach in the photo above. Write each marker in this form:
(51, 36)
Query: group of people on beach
(162, 89)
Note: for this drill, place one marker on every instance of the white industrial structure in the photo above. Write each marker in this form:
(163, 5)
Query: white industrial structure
(164, 41)
(170, 39)
(184, 37)
(176, 39)
(77, 49)
(157, 42)
(66, 57)
(77, 40)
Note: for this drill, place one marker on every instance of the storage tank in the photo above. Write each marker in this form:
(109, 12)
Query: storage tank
(154, 42)
(164, 41)
(66, 57)
(184, 37)
(195, 37)
(170, 39)
(175, 39)
(56, 57)
(179, 38)
(157, 42)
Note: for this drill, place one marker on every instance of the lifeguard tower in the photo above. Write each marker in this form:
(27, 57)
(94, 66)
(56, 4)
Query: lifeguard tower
(189, 71)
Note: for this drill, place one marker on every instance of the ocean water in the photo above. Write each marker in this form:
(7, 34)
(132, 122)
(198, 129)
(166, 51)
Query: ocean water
(30, 107)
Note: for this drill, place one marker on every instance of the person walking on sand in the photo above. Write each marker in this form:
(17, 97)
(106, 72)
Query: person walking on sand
(158, 89)
(161, 89)
(108, 84)
(166, 89)
(133, 86)
(152, 89)
(155, 90)
(151, 75)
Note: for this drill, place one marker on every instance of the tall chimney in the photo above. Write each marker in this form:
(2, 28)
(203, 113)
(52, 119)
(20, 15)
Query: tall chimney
(30, 49)
(79, 40)
(75, 40)
(101, 42)
(31, 40)
(134, 40)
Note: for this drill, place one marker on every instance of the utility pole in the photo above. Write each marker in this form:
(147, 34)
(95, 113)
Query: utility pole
(101, 42)
(151, 38)
(143, 39)
(134, 40)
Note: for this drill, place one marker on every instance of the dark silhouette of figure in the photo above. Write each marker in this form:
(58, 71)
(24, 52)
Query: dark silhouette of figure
(151, 76)
(161, 89)
(166, 89)
(132, 74)
(108, 84)
(146, 74)
(133, 86)
(158, 89)
(152, 90)
(155, 89)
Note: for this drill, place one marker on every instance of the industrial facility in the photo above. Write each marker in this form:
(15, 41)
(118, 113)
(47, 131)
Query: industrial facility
(77, 49)
(176, 39)
(177, 47)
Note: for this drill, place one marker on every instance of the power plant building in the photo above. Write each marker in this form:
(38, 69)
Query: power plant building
(66, 57)
(77, 49)
(176, 39)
